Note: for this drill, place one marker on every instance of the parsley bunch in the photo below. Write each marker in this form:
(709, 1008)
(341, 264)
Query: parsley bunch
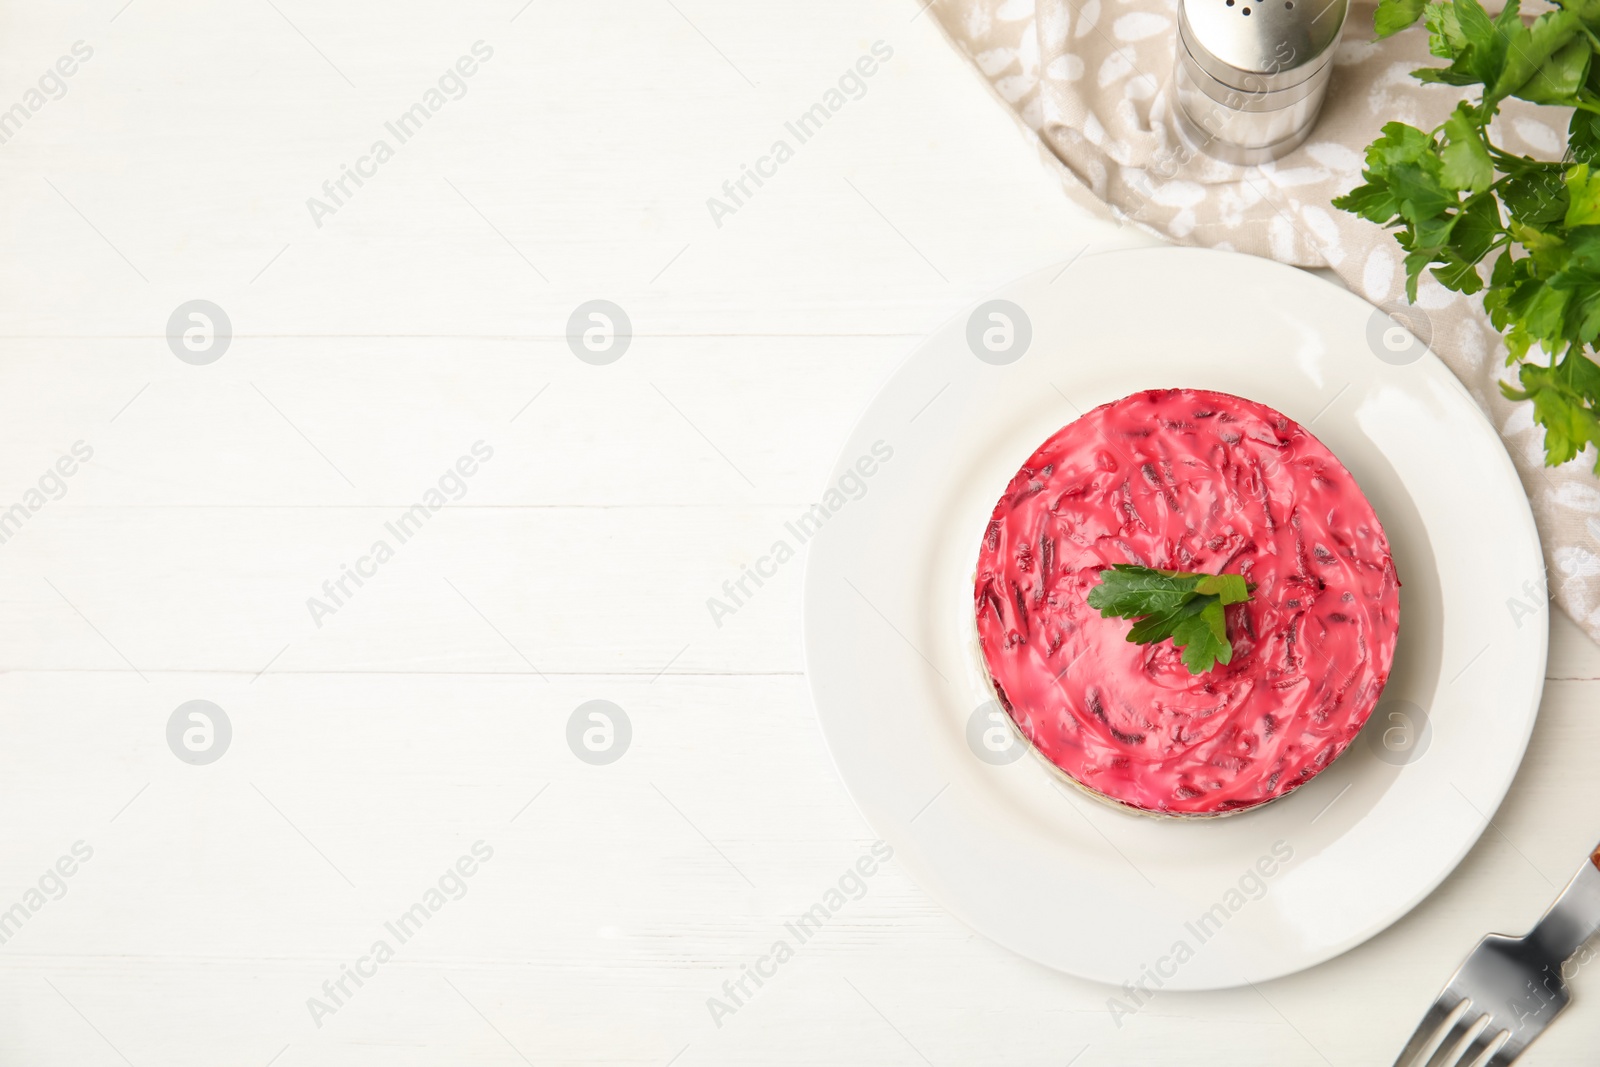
(1454, 198)
(1176, 605)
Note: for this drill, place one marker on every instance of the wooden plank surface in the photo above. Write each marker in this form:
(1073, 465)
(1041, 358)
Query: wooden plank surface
(374, 746)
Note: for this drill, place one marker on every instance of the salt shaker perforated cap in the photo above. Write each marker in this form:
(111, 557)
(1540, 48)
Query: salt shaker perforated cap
(1252, 74)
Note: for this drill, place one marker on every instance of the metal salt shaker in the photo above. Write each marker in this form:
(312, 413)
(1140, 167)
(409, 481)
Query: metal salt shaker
(1251, 74)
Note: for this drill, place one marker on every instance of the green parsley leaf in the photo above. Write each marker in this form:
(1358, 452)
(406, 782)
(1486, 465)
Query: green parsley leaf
(1400, 143)
(1583, 197)
(1228, 588)
(1153, 629)
(1203, 637)
(1129, 591)
(1445, 39)
(1537, 197)
(1374, 201)
(1583, 133)
(1420, 190)
(1466, 163)
(1454, 199)
(1395, 15)
(1558, 78)
(1526, 53)
(1485, 52)
(1560, 404)
(1476, 229)
(1184, 607)
(1459, 275)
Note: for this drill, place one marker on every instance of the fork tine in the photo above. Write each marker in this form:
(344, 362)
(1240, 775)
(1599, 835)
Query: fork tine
(1481, 1044)
(1438, 1012)
(1507, 1054)
(1464, 1023)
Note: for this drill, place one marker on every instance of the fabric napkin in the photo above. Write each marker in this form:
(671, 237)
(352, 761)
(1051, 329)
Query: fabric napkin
(1093, 79)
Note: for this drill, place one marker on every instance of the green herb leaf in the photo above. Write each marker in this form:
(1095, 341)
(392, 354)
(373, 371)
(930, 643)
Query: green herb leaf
(1454, 199)
(1563, 403)
(1420, 189)
(1129, 591)
(1374, 201)
(1400, 143)
(1526, 51)
(1536, 197)
(1583, 197)
(1583, 133)
(1228, 588)
(1459, 275)
(1444, 30)
(1485, 51)
(1558, 78)
(1465, 161)
(1184, 607)
(1476, 229)
(1153, 629)
(1393, 16)
(1203, 636)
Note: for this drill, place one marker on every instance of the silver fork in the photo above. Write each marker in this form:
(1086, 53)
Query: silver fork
(1510, 988)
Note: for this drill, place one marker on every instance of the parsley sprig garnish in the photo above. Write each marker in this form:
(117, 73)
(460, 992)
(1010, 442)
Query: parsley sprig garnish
(1177, 605)
(1454, 197)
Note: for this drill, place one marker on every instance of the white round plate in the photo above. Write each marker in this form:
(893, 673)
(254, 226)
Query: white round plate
(1047, 872)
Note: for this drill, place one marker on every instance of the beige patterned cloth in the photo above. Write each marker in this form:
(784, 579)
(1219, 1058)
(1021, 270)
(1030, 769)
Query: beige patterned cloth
(1092, 78)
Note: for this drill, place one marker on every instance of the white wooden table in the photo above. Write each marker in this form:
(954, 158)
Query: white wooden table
(374, 744)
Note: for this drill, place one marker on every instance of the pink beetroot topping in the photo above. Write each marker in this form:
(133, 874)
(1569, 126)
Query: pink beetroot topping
(1190, 480)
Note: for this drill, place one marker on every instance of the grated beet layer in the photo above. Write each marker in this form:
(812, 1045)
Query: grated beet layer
(1186, 479)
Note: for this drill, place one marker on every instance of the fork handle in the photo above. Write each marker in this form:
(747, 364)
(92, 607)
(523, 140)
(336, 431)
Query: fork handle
(1574, 917)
